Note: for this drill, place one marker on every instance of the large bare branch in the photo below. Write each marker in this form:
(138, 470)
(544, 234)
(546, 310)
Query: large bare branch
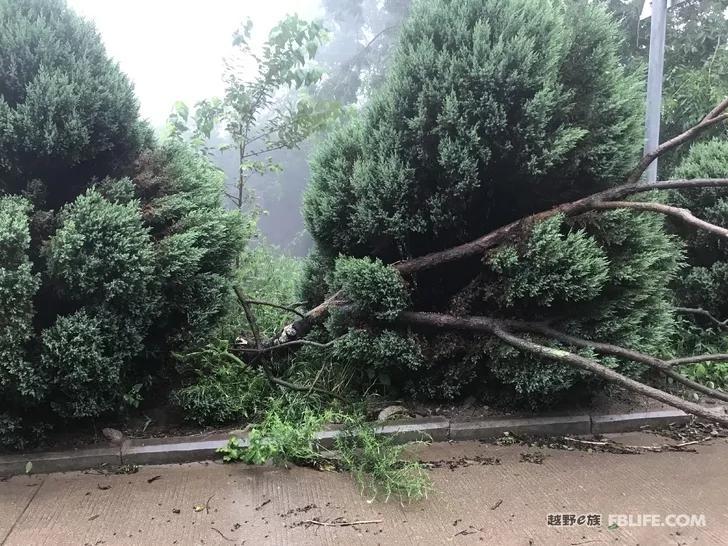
(573, 208)
(615, 350)
(684, 215)
(723, 324)
(498, 329)
(712, 357)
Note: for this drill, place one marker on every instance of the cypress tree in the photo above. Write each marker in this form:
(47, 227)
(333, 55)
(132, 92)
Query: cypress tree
(67, 113)
(492, 110)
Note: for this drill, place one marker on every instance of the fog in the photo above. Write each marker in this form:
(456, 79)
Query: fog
(173, 50)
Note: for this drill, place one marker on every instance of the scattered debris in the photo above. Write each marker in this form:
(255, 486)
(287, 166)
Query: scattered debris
(103, 487)
(207, 504)
(198, 507)
(497, 504)
(220, 533)
(536, 457)
(507, 439)
(106, 470)
(611, 446)
(153, 479)
(299, 510)
(28, 467)
(691, 431)
(257, 508)
(93, 517)
(176, 510)
(340, 522)
(469, 531)
(461, 462)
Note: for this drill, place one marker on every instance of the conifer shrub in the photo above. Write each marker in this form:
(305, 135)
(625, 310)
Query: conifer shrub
(115, 251)
(67, 113)
(18, 285)
(492, 110)
(704, 283)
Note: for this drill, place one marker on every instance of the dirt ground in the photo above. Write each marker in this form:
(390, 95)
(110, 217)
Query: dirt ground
(484, 494)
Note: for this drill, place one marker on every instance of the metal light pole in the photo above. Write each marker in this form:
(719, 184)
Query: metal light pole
(654, 81)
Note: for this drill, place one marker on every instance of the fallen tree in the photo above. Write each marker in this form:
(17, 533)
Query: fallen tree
(513, 234)
(291, 335)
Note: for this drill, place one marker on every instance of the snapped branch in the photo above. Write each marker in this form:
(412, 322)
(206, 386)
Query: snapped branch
(500, 330)
(723, 324)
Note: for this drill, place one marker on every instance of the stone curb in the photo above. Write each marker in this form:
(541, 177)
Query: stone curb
(154, 451)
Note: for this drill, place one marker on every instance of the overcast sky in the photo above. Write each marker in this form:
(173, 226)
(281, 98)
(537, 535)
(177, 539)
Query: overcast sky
(173, 49)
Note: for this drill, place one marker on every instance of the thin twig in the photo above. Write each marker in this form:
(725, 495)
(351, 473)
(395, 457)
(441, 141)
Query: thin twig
(277, 306)
(342, 523)
(220, 533)
(587, 442)
(291, 344)
(655, 449)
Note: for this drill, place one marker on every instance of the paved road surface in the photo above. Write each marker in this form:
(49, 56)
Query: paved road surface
(473, 504)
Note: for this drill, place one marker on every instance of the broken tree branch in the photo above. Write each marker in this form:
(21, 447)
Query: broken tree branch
(717, 357)
(713, 117)
(296, 342)
(573, 208)
(703, 313)
(616, 350)
(276, 306)
(249, 315)
(684, 215)
(497, 328)
(309, 389)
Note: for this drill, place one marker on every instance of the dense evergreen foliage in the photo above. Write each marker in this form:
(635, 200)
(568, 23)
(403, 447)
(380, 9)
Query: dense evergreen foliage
(67, 113)
(102, 277)
(705, 283)
(494, 109)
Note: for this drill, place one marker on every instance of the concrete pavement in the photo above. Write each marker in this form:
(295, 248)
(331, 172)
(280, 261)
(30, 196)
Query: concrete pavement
(474, 503)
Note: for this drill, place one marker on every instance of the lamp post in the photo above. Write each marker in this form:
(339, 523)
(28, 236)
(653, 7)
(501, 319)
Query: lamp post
(657, 10)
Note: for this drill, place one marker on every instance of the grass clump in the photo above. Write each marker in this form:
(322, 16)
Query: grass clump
(376, 463)
(220, 389)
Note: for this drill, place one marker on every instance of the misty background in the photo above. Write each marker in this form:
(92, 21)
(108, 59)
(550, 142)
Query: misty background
(175, 50)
